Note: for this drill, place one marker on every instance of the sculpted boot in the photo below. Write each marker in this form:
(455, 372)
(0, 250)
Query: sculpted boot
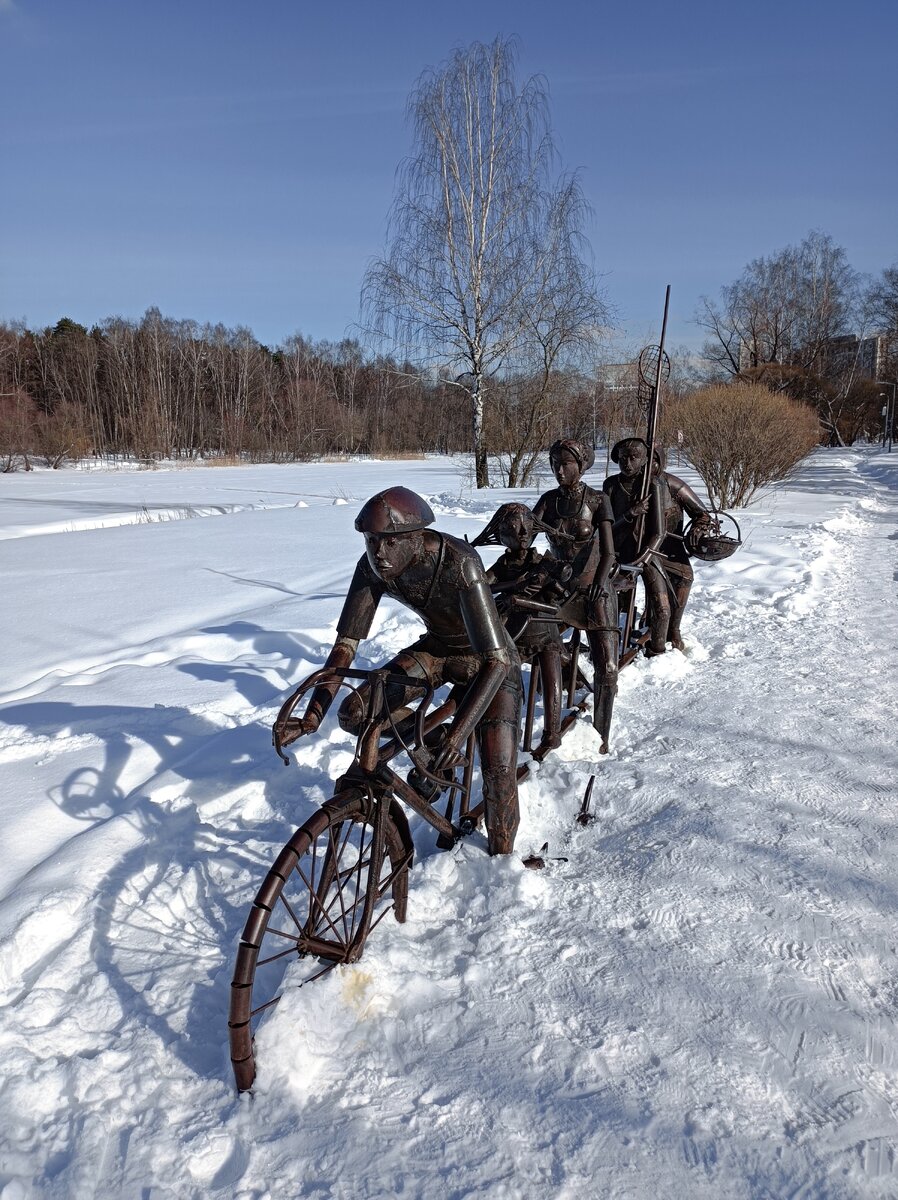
(603, 705)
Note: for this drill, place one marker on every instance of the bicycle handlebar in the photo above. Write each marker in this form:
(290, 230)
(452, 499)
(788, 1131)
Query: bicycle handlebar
(339, 675)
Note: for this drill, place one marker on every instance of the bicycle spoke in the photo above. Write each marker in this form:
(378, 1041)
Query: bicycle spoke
(358, 875)
(337, 879)
(348, 857)
(393, 876)
(324, 970)
(268, 1004)
(350, 827)
(291, 937)
(374, 924)
(280, 954)
(314, 898)
(381, 887)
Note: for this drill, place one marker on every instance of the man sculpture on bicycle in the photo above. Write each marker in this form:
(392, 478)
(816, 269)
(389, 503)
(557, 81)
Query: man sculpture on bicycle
(441, 578)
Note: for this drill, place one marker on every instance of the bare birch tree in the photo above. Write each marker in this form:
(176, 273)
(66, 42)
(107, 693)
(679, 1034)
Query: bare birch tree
(476, 219)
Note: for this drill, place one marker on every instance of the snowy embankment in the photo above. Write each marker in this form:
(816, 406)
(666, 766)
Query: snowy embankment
(701, 1001)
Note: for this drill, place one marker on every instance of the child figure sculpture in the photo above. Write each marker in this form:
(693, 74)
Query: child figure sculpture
(523, 573)
(639, 530)
(680, 501)
(581, 520)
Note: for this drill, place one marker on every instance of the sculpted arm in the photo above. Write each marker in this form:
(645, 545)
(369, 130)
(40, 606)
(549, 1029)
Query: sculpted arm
(620, 526)
(686, 497)
(487, 638)
(604, 540)
(354, 624)
(655, 528)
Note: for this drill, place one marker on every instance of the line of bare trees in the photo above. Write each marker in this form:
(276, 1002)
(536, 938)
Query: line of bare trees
(802, 321)
(160, 388)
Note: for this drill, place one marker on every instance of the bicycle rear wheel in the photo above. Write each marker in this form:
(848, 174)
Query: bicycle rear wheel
(328, 888)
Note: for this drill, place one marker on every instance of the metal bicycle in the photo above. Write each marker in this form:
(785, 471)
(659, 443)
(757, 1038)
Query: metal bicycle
(346, 867)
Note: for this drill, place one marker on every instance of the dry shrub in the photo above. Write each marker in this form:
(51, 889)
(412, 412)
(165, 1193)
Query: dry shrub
(223, 460)
(62, 434)
(741, 437)
(18, 416)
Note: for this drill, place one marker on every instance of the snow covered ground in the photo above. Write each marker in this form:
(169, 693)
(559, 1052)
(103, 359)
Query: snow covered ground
(700, 1002)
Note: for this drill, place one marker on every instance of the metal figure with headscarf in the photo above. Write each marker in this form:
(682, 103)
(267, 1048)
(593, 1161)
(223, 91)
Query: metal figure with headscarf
(521, 579)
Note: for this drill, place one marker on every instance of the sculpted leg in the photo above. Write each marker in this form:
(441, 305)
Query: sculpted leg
(682, 587)
(550, 673)
(603, 646)
(497, 741)
(658, 603)
(352, 711)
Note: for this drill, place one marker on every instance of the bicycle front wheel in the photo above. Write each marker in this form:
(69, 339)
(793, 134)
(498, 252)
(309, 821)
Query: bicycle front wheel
(339, 874)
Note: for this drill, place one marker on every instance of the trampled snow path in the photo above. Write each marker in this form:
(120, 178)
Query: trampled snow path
(700, 1002)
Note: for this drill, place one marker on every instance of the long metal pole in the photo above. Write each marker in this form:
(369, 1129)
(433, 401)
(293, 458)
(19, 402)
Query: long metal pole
(885, 414)
(888, 411)
(646, 484)
(655, 405)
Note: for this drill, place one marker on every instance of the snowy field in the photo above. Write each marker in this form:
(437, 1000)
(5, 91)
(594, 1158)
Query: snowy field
(702, 1001)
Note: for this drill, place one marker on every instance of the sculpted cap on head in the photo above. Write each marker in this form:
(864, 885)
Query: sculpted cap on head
(396, 510)
(585, 455)
(618, 446)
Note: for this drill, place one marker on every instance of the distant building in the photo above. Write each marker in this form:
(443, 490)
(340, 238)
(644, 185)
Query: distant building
(867, 357)
(617, 377)
(872, 357)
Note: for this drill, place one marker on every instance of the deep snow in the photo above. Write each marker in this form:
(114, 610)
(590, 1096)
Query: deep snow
(701, 1001)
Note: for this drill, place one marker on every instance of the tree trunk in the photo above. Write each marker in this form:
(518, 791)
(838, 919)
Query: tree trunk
(481, 466)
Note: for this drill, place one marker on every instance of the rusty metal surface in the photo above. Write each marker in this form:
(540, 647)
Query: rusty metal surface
(585, 816)
(348, 865)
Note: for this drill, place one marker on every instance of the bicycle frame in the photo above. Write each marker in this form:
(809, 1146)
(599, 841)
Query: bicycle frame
(370, 768)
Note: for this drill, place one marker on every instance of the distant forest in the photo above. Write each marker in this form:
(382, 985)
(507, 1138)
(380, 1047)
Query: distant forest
(162, 388)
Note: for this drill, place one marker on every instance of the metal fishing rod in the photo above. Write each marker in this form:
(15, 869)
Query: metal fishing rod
(654, 369)
(653, 362)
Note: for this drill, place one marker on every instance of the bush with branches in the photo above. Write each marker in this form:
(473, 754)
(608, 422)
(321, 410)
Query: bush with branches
(742, 437)
(18, 416)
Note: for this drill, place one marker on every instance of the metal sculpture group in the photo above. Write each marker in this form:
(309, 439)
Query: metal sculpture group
(345, 868)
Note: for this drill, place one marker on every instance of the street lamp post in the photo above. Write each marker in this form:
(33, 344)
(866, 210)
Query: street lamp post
(888, 411)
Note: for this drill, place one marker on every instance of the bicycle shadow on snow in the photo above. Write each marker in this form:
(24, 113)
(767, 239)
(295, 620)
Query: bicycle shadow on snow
(215, 810)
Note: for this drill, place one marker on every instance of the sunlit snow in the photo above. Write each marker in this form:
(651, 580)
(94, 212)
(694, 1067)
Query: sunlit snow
(700, 1002)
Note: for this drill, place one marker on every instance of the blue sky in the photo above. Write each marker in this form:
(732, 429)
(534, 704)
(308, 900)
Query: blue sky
(235, 162)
